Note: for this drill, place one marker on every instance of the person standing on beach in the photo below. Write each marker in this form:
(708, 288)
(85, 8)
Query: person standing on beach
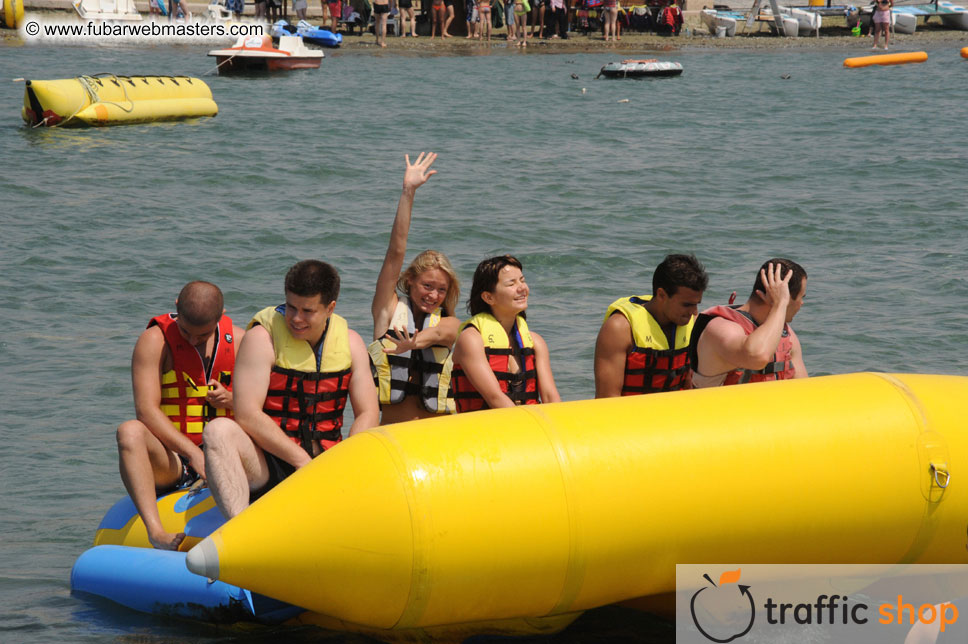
(559, 19)
(449, 18)
(881, 21)
(498, 360)
(414, 323)
(484, 12)
(381, 10)
(297, 367)
(521, 10)
(274, 7)
(643, 345)
(181, 373)
(538, 18)
(473, 17)
(753, 342)
(178, 9)
(335, 10)
(438, 13)
(509, 19)
(610, 11)
(406, 13)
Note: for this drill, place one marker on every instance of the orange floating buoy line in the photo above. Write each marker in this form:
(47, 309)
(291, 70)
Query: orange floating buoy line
(888, 59)
(964, 52)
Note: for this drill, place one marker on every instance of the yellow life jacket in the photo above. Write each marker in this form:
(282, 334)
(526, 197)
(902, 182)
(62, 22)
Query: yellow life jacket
(424, 373)
(307, 389)
(521, 387)
(652, 365)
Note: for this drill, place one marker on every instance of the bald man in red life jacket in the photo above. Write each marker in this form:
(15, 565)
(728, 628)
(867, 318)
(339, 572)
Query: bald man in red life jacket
(181, 372)
(753, 342)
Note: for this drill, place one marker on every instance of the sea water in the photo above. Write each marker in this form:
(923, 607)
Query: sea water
(856, 174)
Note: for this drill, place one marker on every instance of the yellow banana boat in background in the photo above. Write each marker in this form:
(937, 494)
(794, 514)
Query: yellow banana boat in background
(115, 100)
(546, 511)
(11, 13)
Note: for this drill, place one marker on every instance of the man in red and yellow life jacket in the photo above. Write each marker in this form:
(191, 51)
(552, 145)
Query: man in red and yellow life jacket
(299, 364)
(753, 342)
(643, 345)
(181, 372)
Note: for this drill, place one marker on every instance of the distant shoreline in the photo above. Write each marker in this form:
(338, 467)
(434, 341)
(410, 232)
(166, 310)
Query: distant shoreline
(834, 35)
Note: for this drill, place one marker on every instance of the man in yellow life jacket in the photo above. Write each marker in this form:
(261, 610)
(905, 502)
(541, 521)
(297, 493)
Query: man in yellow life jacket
(753, 342)
(299, 364)
(643, 345)
(181, 373)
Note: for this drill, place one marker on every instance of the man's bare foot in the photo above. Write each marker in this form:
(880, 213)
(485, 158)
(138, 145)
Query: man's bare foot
(165, 540)
(383, 44)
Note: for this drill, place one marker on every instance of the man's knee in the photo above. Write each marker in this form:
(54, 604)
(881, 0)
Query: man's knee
(131, 434)
(221, 433)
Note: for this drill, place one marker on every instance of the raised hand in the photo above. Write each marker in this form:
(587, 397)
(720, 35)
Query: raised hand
(418, 173)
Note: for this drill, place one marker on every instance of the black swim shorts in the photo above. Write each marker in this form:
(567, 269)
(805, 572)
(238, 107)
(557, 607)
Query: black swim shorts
(279, 470)
(188, 476)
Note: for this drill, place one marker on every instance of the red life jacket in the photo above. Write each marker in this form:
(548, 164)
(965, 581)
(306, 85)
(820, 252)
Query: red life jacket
(521, 387)
(668, 17)
(183, 389)
(652, 366)
(307, 389)
(779, 368)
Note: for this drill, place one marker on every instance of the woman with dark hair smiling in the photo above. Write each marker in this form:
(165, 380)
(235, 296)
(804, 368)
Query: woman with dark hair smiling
(498, 361)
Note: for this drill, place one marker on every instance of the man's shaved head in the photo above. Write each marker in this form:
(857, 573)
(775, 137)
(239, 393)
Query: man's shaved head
(200, 303)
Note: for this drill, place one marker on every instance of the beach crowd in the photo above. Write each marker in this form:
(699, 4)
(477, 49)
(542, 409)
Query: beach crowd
(522, 19)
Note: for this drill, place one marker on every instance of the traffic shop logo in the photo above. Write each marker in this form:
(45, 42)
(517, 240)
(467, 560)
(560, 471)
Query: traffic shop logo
(733, 593)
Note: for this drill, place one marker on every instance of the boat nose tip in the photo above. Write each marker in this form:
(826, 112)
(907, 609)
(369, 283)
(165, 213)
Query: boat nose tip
(203, 559)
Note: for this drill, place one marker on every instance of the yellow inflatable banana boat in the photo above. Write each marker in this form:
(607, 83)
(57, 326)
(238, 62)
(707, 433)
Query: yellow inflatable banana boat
(12, 13)
(115, 100)
(543, 511)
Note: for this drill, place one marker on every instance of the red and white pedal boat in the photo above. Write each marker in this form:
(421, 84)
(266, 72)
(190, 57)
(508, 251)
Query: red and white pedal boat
(256, 53)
